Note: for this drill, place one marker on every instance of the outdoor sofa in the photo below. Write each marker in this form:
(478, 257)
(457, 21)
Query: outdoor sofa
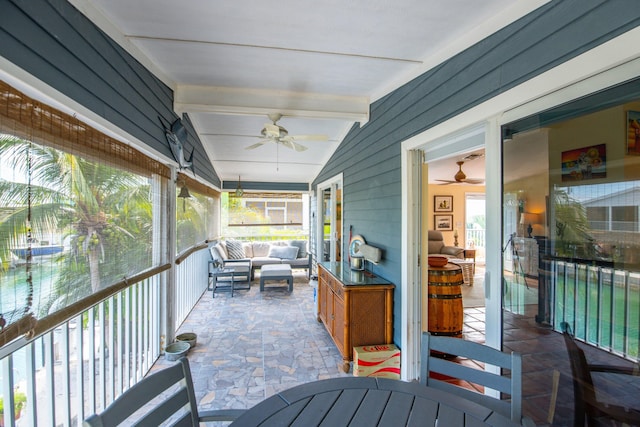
(292, 252)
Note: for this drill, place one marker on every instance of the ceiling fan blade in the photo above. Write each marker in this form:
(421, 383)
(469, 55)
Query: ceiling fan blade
(447, 182)
(290, 143)
(310, 137)
(254, 146)
(473, 181)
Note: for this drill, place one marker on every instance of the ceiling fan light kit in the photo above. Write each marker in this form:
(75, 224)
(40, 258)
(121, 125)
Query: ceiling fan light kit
(273, 132)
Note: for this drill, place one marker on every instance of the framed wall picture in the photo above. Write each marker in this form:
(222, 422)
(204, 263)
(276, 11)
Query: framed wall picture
(443, 222)
(584, 163)
(633, 132)
(443, 203)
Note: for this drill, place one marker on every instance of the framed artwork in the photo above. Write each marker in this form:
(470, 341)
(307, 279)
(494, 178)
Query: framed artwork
(443, 203)
(633, 132)
(443, 222)
(584, 163)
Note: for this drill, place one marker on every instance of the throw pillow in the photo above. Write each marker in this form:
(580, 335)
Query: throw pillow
(283, 252)
(302, 247)
(235, 249)
(222, 251)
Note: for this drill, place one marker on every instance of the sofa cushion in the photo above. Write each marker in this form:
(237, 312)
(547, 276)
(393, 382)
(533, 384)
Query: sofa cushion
(261, 249)
(435, 246)
(248, 249)
(302, 247)
(235, 250)
(283, 252)
(222, 250)
(451, 250)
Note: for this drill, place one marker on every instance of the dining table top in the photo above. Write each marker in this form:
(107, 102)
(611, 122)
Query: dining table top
(368, 401)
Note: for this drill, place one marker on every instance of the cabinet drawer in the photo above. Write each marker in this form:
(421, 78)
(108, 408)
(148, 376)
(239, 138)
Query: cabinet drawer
(324, 276)
(339, 290)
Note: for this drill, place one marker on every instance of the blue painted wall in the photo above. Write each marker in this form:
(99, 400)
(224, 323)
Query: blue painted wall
(61, 47)
(369, 157)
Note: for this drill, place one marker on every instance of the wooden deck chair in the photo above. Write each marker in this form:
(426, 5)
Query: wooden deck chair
(447, 370)
(178, 406)
(586, 404)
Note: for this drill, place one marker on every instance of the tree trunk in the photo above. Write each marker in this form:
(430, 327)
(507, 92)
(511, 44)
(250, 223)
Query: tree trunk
(94, 269)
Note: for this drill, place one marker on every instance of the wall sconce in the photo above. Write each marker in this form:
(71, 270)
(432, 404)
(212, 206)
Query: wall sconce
(184, 195)
(239, 191)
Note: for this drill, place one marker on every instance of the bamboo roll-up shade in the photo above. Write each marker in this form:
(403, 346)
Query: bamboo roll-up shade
(29, 119)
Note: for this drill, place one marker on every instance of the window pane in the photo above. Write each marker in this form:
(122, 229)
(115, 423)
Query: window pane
(70, 226)
(194, 219)
(265, 216)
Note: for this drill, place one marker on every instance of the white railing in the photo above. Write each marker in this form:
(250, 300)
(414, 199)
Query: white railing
(82, 365)
(475, 238)
(192, 278)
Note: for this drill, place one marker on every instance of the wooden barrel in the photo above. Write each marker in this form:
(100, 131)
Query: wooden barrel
(445, 300)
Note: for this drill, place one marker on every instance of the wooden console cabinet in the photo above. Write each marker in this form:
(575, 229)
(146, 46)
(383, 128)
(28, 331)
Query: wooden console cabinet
(355, 307)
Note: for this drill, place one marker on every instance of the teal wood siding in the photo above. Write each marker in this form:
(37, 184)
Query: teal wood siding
(369, 157)
(60, 46)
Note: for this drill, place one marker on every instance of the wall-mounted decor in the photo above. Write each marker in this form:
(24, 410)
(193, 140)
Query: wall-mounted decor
(584, 163)
(633, 132)
(443, 222)
(443, 203)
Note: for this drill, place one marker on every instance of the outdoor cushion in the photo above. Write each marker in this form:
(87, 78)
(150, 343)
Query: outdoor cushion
(235, 249)
(261, 249)
(302, 247)
(222, 250)
(283, 252)
(248, 249)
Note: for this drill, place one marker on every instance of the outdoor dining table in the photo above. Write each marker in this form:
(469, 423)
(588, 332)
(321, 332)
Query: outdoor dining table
(368, 401)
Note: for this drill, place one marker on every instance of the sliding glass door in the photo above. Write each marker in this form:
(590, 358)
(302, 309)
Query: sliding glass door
(330, 220)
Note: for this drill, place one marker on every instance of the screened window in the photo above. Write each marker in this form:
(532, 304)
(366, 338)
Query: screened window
(624, 218)
(266, 215)
(197, 213)
(76, 211)
(598, 217)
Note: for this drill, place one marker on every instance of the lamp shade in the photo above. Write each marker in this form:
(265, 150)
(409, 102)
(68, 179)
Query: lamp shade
(529, 218)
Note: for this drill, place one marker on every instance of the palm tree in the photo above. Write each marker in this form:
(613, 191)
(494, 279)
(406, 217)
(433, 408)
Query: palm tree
(571, 226)
(92, 202)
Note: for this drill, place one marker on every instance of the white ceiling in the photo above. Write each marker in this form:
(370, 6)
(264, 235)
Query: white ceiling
(319, 63)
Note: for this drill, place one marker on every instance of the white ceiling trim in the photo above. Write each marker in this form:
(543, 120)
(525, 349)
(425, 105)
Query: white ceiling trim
(224, 100)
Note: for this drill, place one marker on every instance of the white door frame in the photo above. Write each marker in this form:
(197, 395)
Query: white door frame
(331, 183)
(611, 63)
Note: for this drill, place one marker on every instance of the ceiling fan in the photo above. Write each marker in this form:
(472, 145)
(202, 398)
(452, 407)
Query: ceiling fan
(273, 132)
(461, 178)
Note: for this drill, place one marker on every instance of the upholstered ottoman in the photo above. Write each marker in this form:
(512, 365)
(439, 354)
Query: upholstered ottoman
(276, 272)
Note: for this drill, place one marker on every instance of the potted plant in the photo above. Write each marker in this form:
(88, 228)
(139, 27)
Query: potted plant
(19, 400)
